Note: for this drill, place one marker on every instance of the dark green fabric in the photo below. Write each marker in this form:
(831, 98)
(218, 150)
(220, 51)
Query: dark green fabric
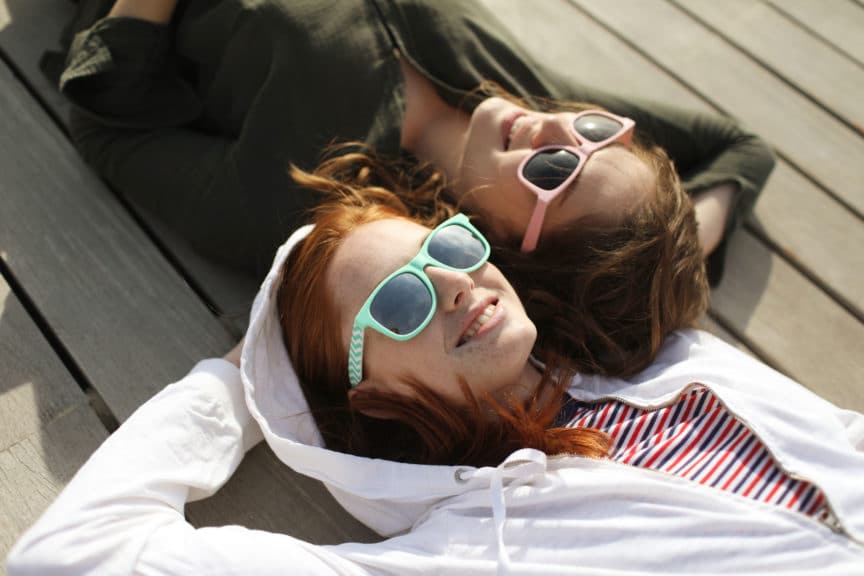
(197, 122)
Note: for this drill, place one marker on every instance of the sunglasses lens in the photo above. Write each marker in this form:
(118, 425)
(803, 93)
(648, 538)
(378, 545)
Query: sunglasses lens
(402, 304)
(549, 169)
(597, 128)
(457, 247)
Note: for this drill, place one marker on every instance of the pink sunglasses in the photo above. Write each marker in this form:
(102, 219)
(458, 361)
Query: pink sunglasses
(551, 169)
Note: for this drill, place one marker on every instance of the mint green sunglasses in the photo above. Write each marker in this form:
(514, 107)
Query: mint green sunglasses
(404, 303)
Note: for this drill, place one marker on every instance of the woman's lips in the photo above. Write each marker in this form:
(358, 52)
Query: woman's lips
(507, 128)
(488, 318)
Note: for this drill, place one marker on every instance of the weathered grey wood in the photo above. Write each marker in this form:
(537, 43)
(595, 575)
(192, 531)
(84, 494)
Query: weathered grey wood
(29, 28)
(265, 494)
(805, 223)
(812, 65)
(811, 230)
(124, 315)
(736, 84)
(585, 51)
(839, 22)
(34, 470)
(791, 323)
(229, 293)
(35, 388)
(47, 428)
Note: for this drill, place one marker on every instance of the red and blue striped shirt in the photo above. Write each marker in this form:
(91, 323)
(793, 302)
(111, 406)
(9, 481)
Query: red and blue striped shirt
(696, 438)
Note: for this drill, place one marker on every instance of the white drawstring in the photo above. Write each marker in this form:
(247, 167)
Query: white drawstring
(520, 468)
(499, 516)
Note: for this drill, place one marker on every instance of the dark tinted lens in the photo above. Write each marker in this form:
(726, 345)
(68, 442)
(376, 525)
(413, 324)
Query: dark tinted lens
(456, 247)
(597, 128)
(549, 169)
(402, 304)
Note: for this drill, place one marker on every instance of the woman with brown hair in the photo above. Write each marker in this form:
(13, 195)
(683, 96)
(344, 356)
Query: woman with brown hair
(390, 360)
(194, 110)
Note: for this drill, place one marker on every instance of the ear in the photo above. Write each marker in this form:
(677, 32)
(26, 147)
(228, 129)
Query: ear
(368, 385)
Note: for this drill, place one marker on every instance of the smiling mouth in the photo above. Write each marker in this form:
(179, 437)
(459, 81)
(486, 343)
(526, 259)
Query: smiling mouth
(510, 129)
(478, 323)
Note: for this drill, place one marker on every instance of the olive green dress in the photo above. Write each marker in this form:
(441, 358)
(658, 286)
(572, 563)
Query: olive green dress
(198, 121)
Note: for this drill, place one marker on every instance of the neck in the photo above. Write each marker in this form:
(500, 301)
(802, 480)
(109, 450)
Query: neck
(526, 386)
(432, 130)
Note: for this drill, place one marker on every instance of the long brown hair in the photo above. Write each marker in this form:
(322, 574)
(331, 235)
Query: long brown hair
(424, 428)
(606, 297)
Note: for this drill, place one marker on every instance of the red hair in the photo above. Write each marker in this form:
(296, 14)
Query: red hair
(424, 428)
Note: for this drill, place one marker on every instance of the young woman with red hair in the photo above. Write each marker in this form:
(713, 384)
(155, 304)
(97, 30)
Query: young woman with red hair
(388, 358)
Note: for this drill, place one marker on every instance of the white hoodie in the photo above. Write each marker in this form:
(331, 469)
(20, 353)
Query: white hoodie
(122, 514)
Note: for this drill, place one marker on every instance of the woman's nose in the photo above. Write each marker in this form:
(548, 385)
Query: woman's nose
(554, 129)
(453, 288)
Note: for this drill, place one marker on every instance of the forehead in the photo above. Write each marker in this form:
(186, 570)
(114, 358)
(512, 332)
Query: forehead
(614, 180)
(369, 254)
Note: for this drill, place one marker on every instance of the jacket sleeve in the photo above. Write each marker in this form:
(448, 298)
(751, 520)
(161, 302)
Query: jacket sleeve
(122, 72)
(134, 120)
(122, 513)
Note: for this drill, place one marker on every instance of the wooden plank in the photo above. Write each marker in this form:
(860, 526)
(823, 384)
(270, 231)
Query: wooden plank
(35, 388)
(29, 28)
(34, 470)
(838, 22)
(536, 24)
(47, 428)
(795, 326)
(804, 60)
(125, 317)
(265, 494)
(832, 154)
(811, 230)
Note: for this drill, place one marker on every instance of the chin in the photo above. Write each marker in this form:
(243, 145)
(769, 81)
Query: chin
(521, 341)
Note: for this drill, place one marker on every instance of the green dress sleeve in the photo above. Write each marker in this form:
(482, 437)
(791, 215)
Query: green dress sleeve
(133, 119)
(122, 71)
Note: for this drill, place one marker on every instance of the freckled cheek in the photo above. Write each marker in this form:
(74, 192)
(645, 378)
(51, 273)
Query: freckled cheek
(417, 358)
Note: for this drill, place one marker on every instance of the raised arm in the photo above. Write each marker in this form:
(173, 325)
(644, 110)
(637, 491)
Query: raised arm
(137, 121)
(713, 209)
(122, 513)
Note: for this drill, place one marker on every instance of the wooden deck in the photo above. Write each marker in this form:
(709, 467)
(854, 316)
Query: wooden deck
(99, 308)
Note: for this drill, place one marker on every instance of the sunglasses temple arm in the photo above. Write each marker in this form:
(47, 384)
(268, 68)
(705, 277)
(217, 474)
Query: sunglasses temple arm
(532, 233)
(355, 357)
